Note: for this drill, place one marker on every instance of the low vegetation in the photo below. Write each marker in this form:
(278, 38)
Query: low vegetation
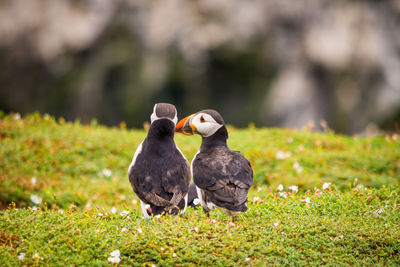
(66, 199)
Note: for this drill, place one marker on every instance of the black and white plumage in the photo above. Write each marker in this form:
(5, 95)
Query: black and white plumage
(193, 199)
(159, 173)
(222, 176)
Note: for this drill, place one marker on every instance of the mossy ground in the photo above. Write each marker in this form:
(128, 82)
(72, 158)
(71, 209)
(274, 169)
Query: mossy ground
(80, 172)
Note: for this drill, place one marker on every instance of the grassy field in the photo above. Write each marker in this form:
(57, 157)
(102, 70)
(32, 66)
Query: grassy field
(68, 185)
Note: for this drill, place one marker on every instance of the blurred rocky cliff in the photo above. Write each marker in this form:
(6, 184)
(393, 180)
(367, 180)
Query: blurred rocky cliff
(271, 62)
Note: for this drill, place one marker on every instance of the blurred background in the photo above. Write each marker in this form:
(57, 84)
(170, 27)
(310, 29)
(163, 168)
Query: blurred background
(269, 62)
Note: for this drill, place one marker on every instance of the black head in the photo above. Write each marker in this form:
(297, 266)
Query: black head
(213, 113)
(164, 111)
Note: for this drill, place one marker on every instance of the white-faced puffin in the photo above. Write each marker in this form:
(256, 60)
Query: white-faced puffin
(159, 172)
(222, 176)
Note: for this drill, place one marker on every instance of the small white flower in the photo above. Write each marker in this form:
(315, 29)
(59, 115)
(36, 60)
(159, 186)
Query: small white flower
(196, 229)
(36, 199)
(36, 256)
(279, 155)
(276, 224)
(282, 155)
(115, 253)
(379, 211)
(124, 213)
(280, 187)
(283, 194)
(17, 116)
(294, 188)
(114, 256)
(297, 167)
(255, 199)
(246, 259)
(174, 255)
(114, 259)
(360, 186)
(61, 211)
(134, 201)
(140, 230)
(33, 180)
(196, 201)
(326, 185)
(113, 210)
(34, 208)
(124, 230)
(21, 256)
(307, 200)
(107, 172)
(99, 214)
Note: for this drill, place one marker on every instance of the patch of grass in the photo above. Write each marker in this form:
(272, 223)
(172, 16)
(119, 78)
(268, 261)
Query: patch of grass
(7, 239)
(70, 161)
(358, 227)
(75, 173)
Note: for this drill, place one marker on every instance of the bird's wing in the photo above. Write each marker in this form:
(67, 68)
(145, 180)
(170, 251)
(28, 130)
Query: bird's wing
(241, 169)
(176, 181)
(226, 178)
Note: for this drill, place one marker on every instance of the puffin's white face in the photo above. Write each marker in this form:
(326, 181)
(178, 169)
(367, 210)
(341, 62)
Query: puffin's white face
(154, 116)
(204, 124)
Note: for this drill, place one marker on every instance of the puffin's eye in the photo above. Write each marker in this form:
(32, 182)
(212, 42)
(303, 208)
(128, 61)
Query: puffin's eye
(202, 119)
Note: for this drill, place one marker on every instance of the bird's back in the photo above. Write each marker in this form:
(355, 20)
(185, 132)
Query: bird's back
(159, 169)
(225, 177)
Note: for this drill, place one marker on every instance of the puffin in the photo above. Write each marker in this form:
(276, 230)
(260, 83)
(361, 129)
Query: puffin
(222, 176)
(159, 173)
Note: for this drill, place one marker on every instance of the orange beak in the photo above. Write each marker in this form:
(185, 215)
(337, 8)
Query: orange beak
(185, 126)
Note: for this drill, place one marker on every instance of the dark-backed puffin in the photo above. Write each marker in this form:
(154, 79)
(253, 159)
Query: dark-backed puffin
(159, 172)
(223, 177)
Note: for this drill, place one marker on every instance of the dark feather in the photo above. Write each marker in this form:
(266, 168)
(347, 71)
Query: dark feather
(192, 195)
(225, 175)
(160, 175)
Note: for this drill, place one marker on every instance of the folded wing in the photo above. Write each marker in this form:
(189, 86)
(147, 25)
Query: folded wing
(225, 177)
